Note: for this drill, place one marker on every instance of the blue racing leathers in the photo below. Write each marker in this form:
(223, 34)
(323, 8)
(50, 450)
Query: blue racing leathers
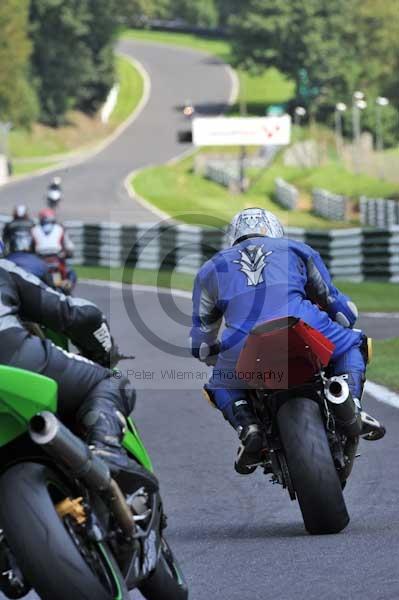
(32, 264)
(260, 279)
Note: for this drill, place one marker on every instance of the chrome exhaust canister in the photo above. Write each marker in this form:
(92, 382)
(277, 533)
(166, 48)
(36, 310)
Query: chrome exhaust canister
(343, 407)
(61, 444)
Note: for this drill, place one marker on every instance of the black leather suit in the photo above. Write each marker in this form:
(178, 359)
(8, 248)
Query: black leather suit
(81, 383)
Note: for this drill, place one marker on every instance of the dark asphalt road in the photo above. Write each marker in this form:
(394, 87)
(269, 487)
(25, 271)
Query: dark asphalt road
(242, 538)
(94, 190)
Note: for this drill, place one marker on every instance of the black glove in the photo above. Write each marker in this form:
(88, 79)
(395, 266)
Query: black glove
(109, 360)
(213, 355)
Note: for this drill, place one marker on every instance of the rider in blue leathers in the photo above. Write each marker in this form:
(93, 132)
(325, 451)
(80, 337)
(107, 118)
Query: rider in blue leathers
(20, 252)
(260, 277)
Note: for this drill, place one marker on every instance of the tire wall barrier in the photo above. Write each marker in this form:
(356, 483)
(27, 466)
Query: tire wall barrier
(353, 254)
(379, 212)
(330, 206)
(286, 194)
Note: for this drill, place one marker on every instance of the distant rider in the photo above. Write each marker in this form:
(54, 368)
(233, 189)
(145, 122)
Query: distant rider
(51, 241)
(21, 221)
(54, 193)
(261, 277)
(20, 252)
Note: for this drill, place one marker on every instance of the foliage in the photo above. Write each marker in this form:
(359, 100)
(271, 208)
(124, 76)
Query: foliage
(194, 12)
(42, 141)
(301, 39)
(225, 9)
(329, 48)
(73, 54)
(101, 26)
(18, 102)
(377, 23)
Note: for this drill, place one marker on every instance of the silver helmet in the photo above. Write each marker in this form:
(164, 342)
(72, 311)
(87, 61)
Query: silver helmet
(252, 222)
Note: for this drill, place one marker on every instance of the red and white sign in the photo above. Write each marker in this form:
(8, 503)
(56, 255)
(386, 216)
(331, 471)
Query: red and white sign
(242, 131)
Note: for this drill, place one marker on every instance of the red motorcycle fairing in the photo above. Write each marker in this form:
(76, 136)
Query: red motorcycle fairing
(56, 265)
(282, 354)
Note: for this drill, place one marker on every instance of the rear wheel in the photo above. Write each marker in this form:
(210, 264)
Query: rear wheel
(311, 466)
(167, 581)
(58, 562)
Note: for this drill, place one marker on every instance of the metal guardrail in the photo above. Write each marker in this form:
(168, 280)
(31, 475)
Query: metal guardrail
(330, 206)
(353, 254)
(379, 212)
(286, 194)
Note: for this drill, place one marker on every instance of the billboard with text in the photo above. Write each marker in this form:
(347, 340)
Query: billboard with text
(242, 131)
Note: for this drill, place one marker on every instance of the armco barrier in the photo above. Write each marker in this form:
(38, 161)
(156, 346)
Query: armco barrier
(330, 206)
(286, 194)
(352, 254)
(379, 212)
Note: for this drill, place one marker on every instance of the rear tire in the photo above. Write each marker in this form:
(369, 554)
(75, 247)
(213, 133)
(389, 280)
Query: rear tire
(167, 581)
(311, 466)
(43, 548)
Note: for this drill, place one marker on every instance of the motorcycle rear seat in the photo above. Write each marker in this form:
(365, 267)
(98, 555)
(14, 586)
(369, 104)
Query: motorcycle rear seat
(283, 353)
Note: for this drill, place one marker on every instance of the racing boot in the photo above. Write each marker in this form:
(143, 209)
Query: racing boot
(105, 427)
(372, 429)
(250, 434)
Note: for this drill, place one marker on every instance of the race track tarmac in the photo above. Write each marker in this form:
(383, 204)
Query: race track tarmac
(240, 538)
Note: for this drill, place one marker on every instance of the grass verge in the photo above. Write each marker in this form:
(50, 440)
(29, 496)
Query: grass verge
(166, 279)
(369, 296)
(384, 366)
(336, 179)
(179, 192)
(81, 131)
(176, 190)
(372, 296)
(26, 167)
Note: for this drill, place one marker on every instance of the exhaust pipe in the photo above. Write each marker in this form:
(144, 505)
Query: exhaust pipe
(346, 414)
(61, 444)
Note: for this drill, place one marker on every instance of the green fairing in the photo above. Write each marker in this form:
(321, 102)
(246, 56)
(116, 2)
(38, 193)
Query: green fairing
(22, 395)
(133, 444)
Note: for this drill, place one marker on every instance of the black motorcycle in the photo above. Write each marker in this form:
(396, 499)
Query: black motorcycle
(310, 422)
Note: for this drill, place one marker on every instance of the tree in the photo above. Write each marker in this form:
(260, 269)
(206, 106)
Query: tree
(99, 76)
(226, 9)
(73, 54)
(201, 13)
(309, 41)
(379, 47)
(18, 102)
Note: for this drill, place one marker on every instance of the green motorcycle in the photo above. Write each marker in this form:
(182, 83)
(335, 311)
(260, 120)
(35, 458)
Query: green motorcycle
(66, 528)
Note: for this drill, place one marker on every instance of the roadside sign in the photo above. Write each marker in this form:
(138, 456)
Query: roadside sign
(242, 131)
